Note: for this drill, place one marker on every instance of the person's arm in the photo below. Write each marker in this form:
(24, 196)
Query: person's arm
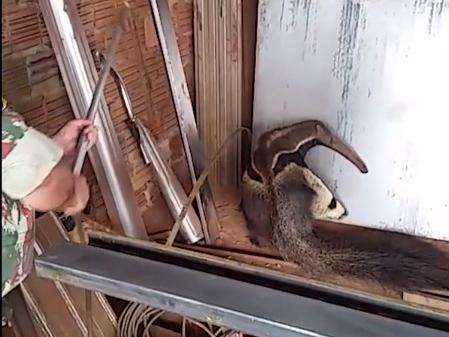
(37, 169)
(54, 191)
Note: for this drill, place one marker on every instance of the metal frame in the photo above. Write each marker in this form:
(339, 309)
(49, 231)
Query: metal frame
(231, 294)
(79, 75)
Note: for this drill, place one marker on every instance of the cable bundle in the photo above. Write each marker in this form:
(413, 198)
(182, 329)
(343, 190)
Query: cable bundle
(137, 320)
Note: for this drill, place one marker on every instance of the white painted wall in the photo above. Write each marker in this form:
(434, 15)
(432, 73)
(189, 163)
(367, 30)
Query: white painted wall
(377, 72)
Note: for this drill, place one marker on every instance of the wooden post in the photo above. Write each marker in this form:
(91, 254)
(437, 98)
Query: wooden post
(249, 38)
(218, 68)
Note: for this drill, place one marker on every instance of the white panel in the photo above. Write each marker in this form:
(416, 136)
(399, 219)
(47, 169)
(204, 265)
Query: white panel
(377, 72)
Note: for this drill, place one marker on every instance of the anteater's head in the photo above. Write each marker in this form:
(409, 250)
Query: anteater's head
(285, 148)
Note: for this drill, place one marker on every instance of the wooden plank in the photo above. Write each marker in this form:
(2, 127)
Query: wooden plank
(79, 233)
(434, 302)
(218, 79)
(249, 35)
(23, 325)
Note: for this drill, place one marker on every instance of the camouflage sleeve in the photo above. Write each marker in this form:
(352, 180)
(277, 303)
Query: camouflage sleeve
(28, 156)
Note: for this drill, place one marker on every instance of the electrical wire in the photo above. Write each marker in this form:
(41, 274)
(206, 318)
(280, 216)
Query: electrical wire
(137, 320)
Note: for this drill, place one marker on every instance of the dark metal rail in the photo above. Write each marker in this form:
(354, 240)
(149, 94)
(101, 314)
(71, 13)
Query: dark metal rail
(235, 296)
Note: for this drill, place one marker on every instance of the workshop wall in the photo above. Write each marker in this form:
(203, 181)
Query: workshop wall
(31, 81)
(32, 84)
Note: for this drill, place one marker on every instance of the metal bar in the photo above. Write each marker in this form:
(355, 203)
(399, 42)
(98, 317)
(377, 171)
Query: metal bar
(226, 298)
(79, 75)
(186, 118)
(171, 188)
(203, 257)
(44, 297)
(99, 87)
(83, 143)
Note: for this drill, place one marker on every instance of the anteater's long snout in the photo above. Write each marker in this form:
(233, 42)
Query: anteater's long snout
(326, 138)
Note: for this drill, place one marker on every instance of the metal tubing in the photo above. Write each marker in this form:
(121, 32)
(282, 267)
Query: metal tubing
(99, 87)
(79, 75)
(223, 297)
(170, 186)
(186, 118)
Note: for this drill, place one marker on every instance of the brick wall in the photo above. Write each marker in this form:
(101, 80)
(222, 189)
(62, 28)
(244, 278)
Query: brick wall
(32, 83)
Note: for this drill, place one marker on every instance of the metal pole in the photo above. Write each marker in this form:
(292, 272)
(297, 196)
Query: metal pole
(186, 118)
(170, 186)
(98, 92)
(79, 75)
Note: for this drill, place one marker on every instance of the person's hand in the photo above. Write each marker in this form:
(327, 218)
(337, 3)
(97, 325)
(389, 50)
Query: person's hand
(79, 199)
(67, 137)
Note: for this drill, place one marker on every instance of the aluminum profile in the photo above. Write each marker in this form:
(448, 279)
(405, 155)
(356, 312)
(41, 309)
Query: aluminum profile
(186, 117)
(79, 75)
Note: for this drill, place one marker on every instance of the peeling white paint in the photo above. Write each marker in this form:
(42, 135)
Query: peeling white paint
(377, 72)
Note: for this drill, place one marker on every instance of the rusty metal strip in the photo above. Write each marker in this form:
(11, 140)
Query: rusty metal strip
(171, 187)
(79, 74)
(100, 85)
(186, 118)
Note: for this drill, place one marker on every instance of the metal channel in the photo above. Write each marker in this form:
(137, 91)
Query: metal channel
(204, 261)
(79, 75)
(222, 298)
(186, 118)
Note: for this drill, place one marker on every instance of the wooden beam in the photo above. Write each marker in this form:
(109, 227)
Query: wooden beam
(249, 38)
(435, 302)
(23, 324)
(218, 76)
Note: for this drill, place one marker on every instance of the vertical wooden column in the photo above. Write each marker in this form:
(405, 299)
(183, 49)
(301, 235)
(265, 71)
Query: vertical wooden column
(249, 38)
(218, 75)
